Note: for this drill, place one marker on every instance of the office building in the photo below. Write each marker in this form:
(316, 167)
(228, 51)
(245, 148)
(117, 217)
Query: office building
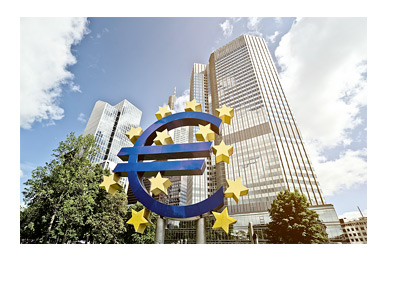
(108, 124)
(355, 230)
(268, 150)
(201, 187)
(177, 190)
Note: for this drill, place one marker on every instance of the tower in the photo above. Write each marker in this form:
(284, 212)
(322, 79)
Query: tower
(269, 152)
(200, 187)
(177, 191)
(108, 124)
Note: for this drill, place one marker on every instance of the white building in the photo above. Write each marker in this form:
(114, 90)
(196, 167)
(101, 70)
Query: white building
(108, 124)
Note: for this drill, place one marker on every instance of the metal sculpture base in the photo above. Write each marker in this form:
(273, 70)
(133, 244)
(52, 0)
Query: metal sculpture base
(201, 231)
(160, 230)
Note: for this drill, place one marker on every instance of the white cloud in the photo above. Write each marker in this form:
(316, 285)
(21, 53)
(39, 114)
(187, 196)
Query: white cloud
(323, 63)
(227, 28)
(26, 168)
(272, 38)
(349, 170)
(82, 118)
(180, 101)
(253, 26)
(235, 19)
(252, 23)
(278, 20)
(22, 205)
(45, 56)
(353, 215)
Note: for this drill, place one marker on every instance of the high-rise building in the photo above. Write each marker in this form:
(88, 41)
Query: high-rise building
(108, 124)
(177, 190)
(200, 187)
(268, 150)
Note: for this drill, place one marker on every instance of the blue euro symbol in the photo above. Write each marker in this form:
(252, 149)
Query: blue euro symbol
(135, 168)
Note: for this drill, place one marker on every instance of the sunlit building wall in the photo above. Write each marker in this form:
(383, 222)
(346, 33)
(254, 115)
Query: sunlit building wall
(108, 124)
(268, 150)
(200, 187)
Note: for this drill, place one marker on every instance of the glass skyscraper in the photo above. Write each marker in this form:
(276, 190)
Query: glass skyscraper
(108, 124)
(201, 187)
(268, 150)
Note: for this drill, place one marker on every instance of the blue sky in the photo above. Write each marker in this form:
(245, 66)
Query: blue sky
(142, 59)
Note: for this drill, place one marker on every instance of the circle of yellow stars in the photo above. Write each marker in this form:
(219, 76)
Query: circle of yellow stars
(159, 184)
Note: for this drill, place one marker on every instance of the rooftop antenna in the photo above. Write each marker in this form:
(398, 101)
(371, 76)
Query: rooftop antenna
(175, 90)
(360, 212)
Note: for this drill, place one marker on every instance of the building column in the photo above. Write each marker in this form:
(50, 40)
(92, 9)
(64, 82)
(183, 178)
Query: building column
(160, 230)
(201, 231)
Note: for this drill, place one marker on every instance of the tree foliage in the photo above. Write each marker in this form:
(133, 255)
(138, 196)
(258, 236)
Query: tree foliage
(292, 222)
(148, 237)
(65, 203)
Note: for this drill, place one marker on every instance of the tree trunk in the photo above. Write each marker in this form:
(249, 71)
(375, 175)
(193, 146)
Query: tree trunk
(65, 235)
(52, 218)
(50, 226)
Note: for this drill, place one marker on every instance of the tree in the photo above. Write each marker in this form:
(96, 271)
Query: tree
(65, 203)
(149, 235)
(292, 222)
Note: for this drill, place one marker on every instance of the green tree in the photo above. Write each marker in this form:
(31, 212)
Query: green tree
(148, 236)
(292, 222)
(65, 203)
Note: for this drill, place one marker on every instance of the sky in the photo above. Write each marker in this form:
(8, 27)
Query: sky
(67, 64)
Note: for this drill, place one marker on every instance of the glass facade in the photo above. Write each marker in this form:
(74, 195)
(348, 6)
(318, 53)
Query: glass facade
(108, 124)
(177, 192)
(269, 154)
(200, 187)
(268, 151)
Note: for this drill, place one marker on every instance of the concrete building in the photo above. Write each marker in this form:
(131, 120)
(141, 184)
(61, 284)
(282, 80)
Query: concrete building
(269, 153)
(355, 230)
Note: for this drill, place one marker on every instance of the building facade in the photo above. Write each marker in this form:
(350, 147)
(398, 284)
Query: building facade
(108, 124)
(268, 150)
(355, 230)
(202, 186)
(177, 192)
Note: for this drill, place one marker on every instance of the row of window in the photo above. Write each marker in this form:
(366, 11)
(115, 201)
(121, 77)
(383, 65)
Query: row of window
(352, 229)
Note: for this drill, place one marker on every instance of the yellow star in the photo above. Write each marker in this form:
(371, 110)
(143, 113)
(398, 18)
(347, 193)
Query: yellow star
(205, 133)
(235, 189)
(111, 183)
(223, 220)
(163, 112)
(225, 113)
(134, 133)
(140, 220)
(222, 152)
(193, 106)
(159, 184)
(163, 138)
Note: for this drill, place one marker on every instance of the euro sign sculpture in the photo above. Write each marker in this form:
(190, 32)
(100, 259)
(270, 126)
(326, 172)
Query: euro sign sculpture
(136, 168)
